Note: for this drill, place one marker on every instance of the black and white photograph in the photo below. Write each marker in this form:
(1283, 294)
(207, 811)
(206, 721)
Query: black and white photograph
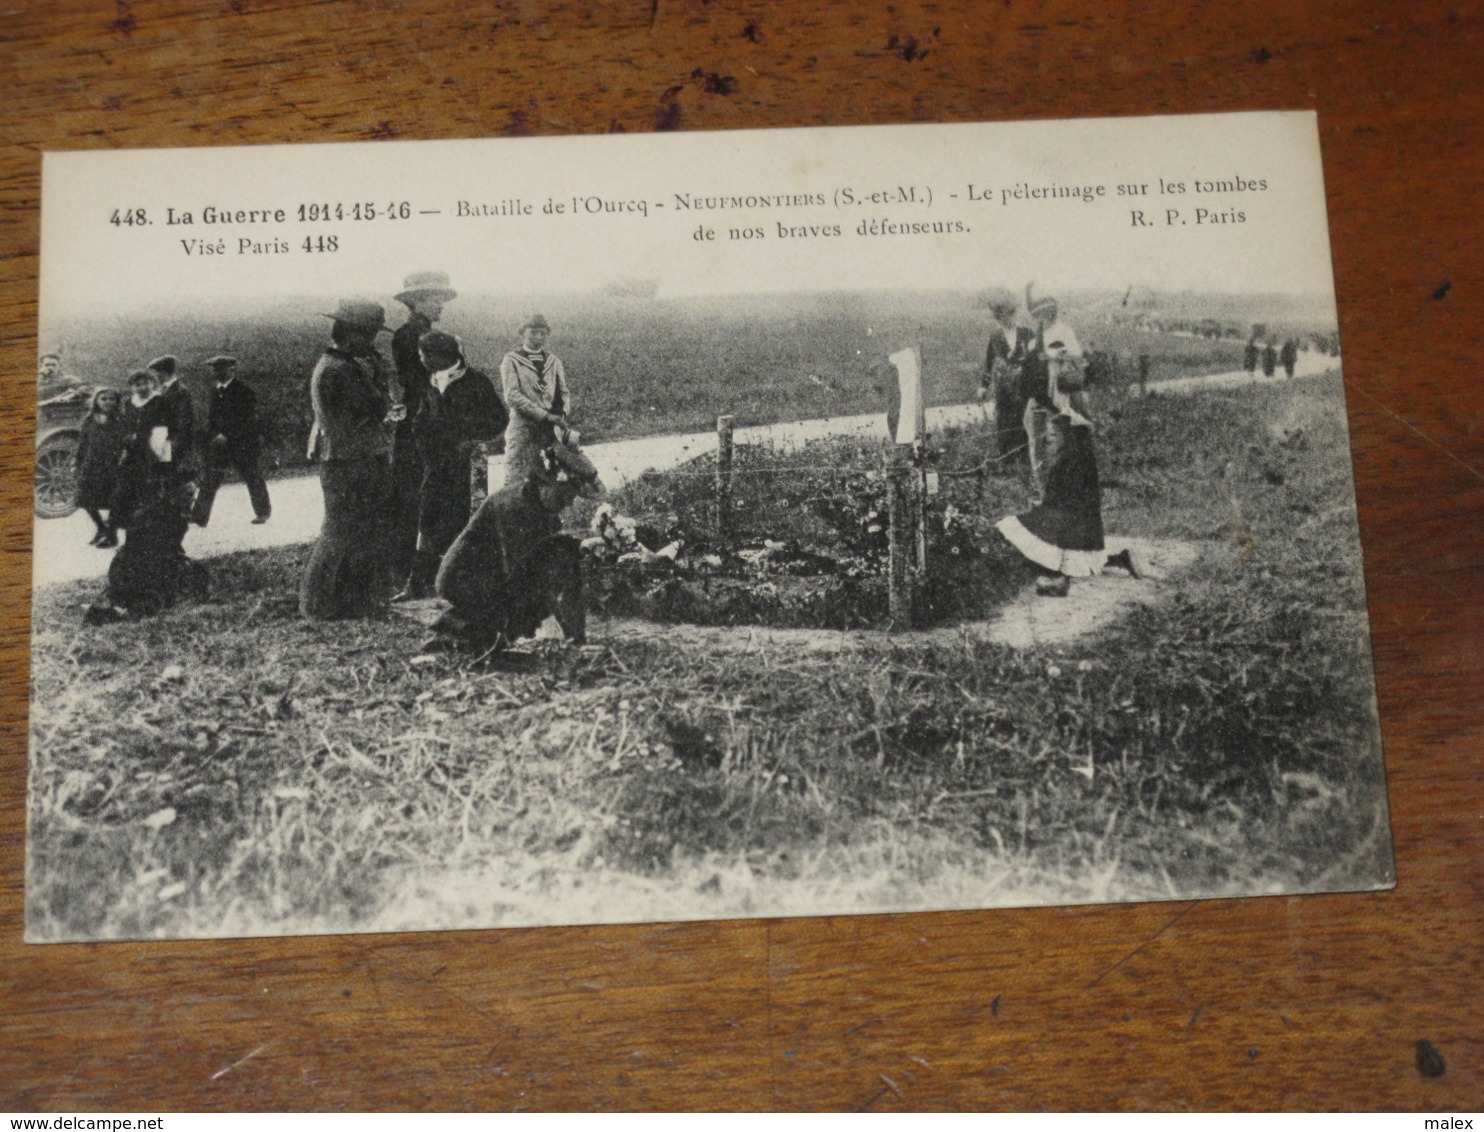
(568, 530)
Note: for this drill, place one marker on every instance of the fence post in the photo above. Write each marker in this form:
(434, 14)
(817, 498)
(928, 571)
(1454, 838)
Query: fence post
(902, 554)
(919, 520)
(724, 476)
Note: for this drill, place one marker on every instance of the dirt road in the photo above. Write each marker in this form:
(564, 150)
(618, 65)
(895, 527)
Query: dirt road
(62, 553)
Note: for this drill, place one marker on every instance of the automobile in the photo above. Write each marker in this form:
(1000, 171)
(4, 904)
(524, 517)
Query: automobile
(61, 407)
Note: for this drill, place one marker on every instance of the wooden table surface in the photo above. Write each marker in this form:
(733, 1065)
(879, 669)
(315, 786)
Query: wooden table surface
(1305, 1002)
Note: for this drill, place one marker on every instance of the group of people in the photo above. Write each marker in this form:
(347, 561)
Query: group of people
(1035, 376)
(1270, 356)
(143, 468)
(394, 443)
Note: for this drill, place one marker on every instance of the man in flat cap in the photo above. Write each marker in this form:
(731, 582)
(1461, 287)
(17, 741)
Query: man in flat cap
(424, 294)
(232, 440)
(536, 394)
(357, 405)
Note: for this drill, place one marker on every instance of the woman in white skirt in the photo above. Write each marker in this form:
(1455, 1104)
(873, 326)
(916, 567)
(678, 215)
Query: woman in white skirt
(1063, 534)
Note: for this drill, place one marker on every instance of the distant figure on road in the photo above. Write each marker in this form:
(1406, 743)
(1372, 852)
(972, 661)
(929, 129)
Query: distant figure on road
(511, 568)
(356, 408)
(99, 451)
(232, 439)
(1288, 357)
(534, 385)
(424, 294)
(1269, 359)
(1249, 356)
(459, 409)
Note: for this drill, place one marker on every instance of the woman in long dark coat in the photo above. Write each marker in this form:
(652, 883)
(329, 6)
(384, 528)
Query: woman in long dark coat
(140, 470)
(357, 406)
(150, 571)
(98, 453)
(460, 408)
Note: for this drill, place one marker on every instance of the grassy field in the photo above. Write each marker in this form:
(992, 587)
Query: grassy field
(226, 768)
(638, 367)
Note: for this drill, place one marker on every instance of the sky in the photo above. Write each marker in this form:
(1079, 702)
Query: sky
(968, 206)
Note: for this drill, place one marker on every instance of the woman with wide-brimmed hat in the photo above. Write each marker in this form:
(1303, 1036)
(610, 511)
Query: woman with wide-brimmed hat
(356, 406)
(535, 388)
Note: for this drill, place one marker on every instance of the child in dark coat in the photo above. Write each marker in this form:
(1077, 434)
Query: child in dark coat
(97, 463)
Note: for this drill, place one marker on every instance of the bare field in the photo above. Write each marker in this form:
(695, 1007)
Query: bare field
(226, 768)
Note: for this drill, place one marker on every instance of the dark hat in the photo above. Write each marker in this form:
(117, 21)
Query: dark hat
(139, 375)
(163, 364)
(221, 361)
(362, 313)
(440, 344)
(55, 357)
(421, 283)
(535, 322)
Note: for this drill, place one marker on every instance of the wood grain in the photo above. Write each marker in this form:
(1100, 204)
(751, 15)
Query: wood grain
(1308, 1002)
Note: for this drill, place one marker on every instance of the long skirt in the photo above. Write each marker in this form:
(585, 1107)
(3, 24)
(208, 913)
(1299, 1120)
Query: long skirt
(405, 504)
(349, 571)
(1064, 533)
(446, 496)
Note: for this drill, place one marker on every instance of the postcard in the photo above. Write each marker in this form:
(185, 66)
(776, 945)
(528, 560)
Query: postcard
(530, 531)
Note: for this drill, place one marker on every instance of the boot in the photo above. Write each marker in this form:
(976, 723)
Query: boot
(1053, 585)
(1128, 561)
(420, 578)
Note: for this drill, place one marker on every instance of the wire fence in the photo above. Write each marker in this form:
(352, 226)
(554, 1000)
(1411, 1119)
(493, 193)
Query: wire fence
(830, 497)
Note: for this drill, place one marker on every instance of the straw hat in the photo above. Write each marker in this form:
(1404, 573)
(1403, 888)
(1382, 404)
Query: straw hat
(422, 284)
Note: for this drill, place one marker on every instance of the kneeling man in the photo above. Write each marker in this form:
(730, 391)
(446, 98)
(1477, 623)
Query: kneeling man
(510, 568)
